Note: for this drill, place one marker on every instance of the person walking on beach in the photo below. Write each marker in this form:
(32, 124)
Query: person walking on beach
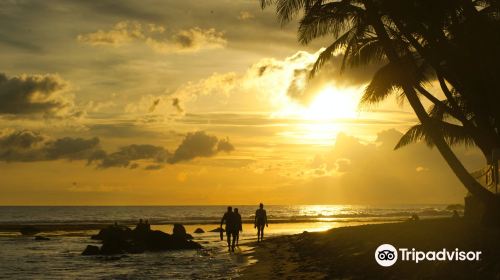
(260, 221)
(230, 219)
(237, 227)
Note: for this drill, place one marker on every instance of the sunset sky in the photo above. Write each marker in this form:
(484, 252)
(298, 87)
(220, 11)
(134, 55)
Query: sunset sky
(194, 102)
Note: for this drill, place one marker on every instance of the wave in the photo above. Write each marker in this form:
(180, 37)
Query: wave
(190, 220)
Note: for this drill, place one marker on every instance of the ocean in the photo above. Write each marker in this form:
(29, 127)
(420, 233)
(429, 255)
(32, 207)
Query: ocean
(69, 229)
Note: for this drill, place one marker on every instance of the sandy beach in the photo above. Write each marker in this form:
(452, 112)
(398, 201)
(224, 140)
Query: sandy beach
(348, 252)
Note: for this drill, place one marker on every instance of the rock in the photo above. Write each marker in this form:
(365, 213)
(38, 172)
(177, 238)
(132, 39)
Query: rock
(120, 240)
(114, 246)
(179, 230)
(217, 230)
(41, 238)
(29, 230)
(91, 250)
(113, 232)
(199, 230)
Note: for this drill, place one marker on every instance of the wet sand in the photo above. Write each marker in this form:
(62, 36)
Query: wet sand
(348, 252)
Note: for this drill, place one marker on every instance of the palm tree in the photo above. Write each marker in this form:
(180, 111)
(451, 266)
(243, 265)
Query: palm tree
(460, 43)
(365, 33)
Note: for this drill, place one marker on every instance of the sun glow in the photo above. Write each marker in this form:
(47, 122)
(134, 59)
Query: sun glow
(324, 117)
(332, 104)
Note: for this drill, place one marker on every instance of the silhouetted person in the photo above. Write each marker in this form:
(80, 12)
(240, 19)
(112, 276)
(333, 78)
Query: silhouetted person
(237, 227)
(229, 218)
(147, 226)
(455, 214)
(260, 222)
(139, 226)
(414, 218)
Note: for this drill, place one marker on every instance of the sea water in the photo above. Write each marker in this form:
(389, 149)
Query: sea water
(21, 257)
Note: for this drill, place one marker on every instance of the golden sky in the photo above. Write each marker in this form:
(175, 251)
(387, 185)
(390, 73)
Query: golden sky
(193, 102)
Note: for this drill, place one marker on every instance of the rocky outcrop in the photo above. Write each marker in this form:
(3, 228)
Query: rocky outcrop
(180, 231)
(217, 230)
(199, 230)
(91, 250)
(120, 240)
(113, 232)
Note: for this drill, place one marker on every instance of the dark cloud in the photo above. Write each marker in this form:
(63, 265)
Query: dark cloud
(29, 146)
(199, 144)
(24, 139)
(125, 156)
(71, 148)
(154, 105)
(153, 167)
(26, 146)
(224, 146)
(34, 95)
(177, 104)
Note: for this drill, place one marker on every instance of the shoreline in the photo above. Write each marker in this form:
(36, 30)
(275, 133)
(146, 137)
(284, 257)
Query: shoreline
(348, 252)
(51, 227)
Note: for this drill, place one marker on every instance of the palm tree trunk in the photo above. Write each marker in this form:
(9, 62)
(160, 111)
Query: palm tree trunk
(457, 167)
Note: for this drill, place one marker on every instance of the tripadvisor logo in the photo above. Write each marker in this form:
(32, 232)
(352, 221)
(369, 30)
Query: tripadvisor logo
(387, 255)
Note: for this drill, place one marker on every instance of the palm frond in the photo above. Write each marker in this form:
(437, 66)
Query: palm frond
(386, 79)
(453, 135)
(266, 3)
(368, 51)
(413, 135)
(393, 76)
(327, 54)
(288, 9)
(331, 18)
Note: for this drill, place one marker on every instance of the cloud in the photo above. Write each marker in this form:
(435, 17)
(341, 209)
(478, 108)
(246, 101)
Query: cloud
(245, 15)
(194, 145)
(71, 148)
(295, 69)
(31, 95)
(29, 146)
(189, 40)
(269, 85)
(362, 172)
(126, 156)
(177, 104)
(199, 144)
(154, 105)
(96, 106)
(123, 32)
(23, 139)
(186, 40)
(153, 167)
(217, 86)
